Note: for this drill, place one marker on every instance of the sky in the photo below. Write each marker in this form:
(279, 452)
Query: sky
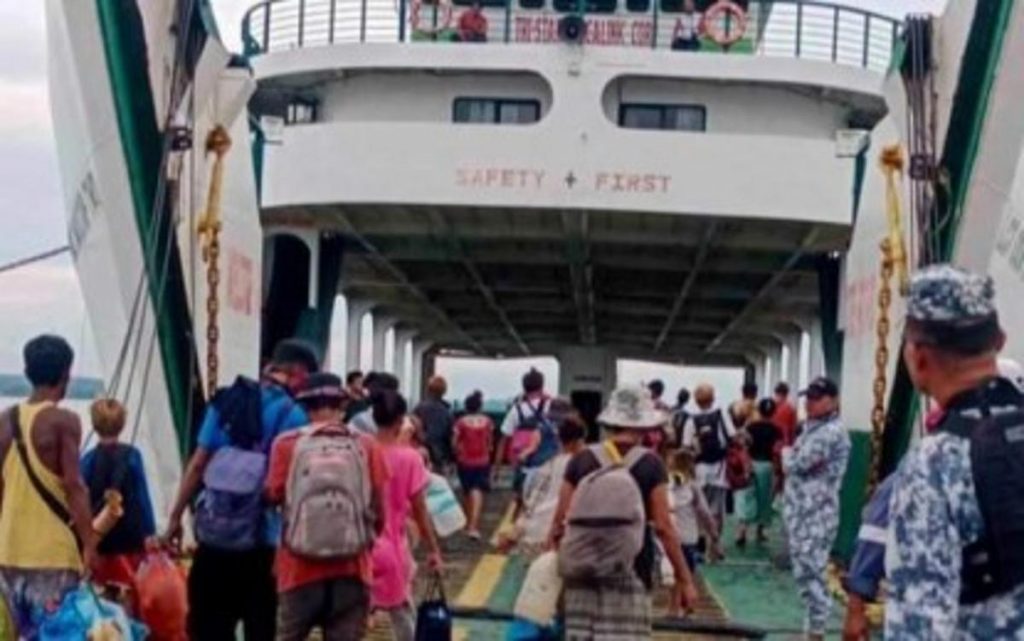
(45, 297)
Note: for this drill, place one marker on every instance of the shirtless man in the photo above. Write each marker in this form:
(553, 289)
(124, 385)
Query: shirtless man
(42, 553)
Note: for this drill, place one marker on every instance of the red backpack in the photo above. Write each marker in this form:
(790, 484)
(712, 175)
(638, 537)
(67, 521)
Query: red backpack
(474, 439)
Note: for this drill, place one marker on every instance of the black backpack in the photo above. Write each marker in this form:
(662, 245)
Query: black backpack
(711, 436)
(994, 564)
(240, 412)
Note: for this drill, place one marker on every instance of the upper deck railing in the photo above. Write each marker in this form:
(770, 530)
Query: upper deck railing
(803, 29)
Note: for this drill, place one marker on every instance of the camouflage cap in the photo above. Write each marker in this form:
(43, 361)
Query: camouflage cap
(948, 294)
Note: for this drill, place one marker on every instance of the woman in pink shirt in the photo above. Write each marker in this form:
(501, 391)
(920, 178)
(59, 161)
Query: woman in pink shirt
(393, 566)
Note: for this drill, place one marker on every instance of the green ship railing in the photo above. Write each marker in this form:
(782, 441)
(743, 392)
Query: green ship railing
(780, 28)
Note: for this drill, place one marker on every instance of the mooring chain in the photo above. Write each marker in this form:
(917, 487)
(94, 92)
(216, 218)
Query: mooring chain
(218, 142)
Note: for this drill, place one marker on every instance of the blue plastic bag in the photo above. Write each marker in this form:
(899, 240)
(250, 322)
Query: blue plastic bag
(523, 630)
(80, 610)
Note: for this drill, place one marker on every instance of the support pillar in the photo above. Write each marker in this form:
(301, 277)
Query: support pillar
(354, 332)
(817, 361)
(403, 337)
(795, 343)
(381, 324)
(419, 352)
(777, 373)
(759, 372)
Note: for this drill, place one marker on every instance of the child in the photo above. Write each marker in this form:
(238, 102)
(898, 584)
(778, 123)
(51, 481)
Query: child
(474, 437)
(690, 508)
(114, 475)
(393, 567)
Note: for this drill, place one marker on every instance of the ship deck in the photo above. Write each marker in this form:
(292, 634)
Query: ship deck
(748, 590)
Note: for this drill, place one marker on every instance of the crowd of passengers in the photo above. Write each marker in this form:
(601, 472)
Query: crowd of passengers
(308, 494)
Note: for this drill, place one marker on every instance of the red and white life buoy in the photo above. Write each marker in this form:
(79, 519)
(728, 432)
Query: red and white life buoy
(715, 19)
(444, 17)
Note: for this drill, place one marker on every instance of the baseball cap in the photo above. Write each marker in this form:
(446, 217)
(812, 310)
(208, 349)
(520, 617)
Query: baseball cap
(820, 387)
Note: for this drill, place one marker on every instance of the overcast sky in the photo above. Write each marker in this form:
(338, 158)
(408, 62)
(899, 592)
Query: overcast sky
(45, 297)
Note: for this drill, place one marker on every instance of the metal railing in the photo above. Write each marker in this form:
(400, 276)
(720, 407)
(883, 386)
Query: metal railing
(803, 29)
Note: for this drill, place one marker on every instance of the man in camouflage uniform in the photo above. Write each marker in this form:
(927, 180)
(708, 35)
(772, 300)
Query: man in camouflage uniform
(814, 469)
(952, 340)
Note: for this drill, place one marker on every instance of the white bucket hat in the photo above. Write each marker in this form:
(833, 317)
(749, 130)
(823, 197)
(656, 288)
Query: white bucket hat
(631, 407)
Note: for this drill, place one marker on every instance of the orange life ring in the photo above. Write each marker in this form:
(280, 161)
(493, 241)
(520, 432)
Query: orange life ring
(445, 8)
(739, 23)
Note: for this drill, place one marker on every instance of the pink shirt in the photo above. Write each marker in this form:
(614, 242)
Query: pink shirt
(393, 565)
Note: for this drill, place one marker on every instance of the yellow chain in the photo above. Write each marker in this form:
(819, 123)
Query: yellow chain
(218, 142)
(894, 259)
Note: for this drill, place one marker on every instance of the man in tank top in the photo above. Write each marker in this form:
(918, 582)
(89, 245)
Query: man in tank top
(45, 521)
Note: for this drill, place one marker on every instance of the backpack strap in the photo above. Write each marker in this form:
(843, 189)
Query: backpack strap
(51, 501)
(607, 454)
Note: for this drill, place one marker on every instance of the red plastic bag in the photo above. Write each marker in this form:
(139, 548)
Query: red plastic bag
(163, 598)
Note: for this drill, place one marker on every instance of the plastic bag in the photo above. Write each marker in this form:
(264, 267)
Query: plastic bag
(444, 508)
(162, 597)
(433, 616)
(83, 615)
(538, 598)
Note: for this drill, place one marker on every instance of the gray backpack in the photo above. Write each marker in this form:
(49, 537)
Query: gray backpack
(328, 511)
(606, 520)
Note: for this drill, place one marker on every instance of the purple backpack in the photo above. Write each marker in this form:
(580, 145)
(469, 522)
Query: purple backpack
(230, 512)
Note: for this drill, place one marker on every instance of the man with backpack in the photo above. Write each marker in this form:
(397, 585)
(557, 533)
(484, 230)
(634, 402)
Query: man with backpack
(611, 491)
(231, 580)
(330, 481)
(710, 431)
(814, 467)
(955, 559)
(527, 433)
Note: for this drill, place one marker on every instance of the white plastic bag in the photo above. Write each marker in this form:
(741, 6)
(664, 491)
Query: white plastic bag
(444, 508)
(538, 598)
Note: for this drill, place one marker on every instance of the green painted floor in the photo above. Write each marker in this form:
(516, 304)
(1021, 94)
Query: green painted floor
(754, 590)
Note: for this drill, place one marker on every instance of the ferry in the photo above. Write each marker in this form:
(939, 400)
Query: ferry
(738, 183)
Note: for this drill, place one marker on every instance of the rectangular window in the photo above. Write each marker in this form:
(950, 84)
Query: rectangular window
(663, 117)
(592, 6)
(483, 3)
(495, 111)
(531, 4)
(638, 6)
(300, 112)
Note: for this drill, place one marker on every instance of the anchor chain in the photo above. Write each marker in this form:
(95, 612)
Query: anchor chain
(218, 142)
(894, 260)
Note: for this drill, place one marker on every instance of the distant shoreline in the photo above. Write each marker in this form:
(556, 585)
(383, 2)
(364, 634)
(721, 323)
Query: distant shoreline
(82, 389)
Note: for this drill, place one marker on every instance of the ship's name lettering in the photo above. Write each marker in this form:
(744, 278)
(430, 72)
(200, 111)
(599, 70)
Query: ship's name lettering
(600, 31)
(631, 183)
(500, 178)
(83, 209)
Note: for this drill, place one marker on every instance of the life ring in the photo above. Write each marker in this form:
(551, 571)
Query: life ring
(738, 23)
(443, 24)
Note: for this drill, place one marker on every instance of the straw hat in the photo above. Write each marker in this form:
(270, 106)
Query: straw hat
(631, 407)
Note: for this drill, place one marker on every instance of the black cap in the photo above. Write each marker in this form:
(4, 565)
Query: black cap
(821, 387)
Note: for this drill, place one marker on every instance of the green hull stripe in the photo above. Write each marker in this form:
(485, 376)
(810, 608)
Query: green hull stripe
(966, 124)
(126, 58)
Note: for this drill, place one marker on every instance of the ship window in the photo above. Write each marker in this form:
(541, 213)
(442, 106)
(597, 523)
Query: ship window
(483, 3)
(638, 6)
(663, 117)
(592, 6)
(300, 112)
(495, 111)
(676, 6)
